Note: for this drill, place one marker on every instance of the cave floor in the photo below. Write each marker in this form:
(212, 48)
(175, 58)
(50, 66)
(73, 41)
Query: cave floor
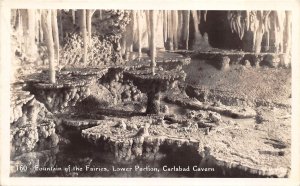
(259, 145)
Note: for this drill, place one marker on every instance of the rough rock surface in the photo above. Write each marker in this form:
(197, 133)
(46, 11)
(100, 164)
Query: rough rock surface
(72, 87)
(239, 86)
(129, 143)
(100, 52)
(230, 111)
(166, 60)
(32, 125)
(273, 60)
(120, 89)
(265, 155)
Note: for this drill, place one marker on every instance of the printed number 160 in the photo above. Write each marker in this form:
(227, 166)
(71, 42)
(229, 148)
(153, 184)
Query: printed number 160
(22, 168)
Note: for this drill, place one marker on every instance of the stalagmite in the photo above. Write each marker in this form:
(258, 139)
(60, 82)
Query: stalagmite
(55, 34)
(47, 28)
(153, 45)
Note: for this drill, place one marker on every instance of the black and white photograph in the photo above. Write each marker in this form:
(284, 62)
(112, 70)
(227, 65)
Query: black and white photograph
(150, 93)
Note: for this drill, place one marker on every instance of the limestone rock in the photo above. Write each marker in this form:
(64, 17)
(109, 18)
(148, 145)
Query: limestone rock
(215, 117)
(121, 124)
(224, 63)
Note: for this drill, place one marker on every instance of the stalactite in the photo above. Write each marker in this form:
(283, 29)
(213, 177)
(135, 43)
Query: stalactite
(170, 30)
(89, 25)
(139, 30)
(165, 25)
(204, 15)
(30, 44)
(198, 37)
(259, 32)
(186, 26)
(37, 19)
(267, 48)
(153, 44)
(288, 32)
(61, 30)
(131, 34)
(100, 14)
(13, 18)
(41, 33)
(199, 15)
(175, 27)
(179, 29)
(17, 26)
(47, 28)
(148, 29)
(128, 37)
(55, 35)
(237, 25)
(17, 21)
(84, 35)
(123, 45)
(267, 29)
(279, 26)
(20, 29)
(73, 17)
(247, 20)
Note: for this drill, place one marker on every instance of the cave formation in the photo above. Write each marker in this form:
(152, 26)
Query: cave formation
(141, 83)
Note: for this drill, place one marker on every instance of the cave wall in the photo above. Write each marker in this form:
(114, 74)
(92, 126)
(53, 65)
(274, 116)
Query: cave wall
(276, 28)
(219, 32)
(106, 32)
